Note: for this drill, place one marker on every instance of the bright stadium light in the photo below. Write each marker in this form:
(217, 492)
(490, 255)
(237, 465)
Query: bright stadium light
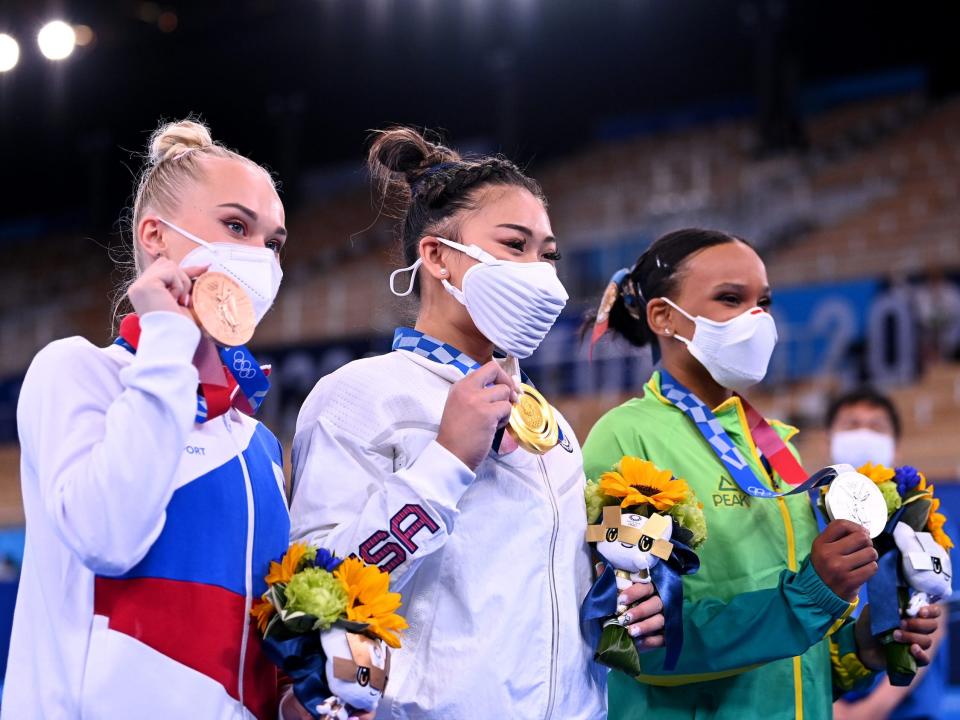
(56, 40)
(9, 53)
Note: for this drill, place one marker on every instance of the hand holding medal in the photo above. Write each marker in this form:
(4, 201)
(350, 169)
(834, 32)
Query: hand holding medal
(224, 310)
(913, 568)
(477, 406)
(214, 300)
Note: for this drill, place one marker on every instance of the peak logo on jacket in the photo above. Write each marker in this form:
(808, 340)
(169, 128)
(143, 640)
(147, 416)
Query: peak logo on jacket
(729, 495)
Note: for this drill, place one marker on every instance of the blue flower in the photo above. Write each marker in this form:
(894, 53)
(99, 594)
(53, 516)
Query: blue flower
(326, 560)
(907, 478)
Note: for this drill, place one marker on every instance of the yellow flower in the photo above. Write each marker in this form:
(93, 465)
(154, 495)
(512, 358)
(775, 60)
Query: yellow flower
(923, 483)
(262, 610)
(640, 482)
(877, 473)
(281, 572)
(935, 525)
(369, 599)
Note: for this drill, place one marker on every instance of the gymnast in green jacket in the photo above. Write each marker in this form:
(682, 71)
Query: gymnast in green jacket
(766, 621)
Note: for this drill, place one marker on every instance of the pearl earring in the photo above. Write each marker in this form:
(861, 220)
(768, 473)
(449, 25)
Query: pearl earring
(443, 271)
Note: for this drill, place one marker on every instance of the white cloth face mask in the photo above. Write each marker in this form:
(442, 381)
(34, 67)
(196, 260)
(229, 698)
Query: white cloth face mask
(736, 352)
(514, 304)
(256, 269)
(861, 446)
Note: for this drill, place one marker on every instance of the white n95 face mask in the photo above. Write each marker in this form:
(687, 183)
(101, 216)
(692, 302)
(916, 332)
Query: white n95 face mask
(256, 269)
(514, 304)
(862, 446)
(737, 352)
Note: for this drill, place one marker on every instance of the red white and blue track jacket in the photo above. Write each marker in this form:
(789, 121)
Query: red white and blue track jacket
(148, 536)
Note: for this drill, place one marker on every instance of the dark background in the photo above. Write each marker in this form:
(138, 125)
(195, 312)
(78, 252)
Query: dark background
(297, 84)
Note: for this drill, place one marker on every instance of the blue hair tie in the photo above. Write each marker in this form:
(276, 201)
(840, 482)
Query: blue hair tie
(618, 279)
(629, 291)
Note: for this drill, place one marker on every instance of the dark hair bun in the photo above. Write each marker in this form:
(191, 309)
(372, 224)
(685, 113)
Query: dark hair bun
(406, 152)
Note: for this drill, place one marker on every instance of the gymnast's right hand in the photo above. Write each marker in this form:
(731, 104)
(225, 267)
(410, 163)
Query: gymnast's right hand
(477, 406)
(844, 557)
(164, 286)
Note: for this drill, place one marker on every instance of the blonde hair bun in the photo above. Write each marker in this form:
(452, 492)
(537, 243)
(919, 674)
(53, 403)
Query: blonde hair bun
(173, 139)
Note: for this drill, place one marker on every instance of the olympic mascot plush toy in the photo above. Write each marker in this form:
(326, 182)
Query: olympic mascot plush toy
(632, 553)
(926, 567)
(357, 668)
(649, 524)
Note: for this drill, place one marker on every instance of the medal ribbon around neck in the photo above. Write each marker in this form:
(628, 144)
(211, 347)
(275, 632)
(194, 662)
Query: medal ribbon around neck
(247, 381)
(421, 344)
(766, 438)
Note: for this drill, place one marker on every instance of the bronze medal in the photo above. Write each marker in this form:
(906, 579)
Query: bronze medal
(223, 309)
(533, 424)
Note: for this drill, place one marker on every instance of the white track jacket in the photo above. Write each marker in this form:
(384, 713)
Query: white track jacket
(492, 566)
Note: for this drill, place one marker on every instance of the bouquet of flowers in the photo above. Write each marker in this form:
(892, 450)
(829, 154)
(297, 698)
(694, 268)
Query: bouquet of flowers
(914, 563)
(650, 525)
(328, 623)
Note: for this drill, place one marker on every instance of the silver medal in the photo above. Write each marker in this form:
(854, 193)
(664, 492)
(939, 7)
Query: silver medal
(857, 498)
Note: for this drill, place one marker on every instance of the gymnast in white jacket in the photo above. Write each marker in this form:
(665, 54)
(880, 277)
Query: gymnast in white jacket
(402, 459)
(154, 502)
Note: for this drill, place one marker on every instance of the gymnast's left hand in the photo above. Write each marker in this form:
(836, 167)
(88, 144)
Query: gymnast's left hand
(644, 621)
(916, 632)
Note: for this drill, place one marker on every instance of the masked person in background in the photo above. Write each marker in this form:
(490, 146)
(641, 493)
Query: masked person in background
(153, 505)
(771, 601)
(864, 427)
(403, 460)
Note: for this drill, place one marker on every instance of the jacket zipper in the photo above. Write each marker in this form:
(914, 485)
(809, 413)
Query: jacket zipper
(555, 616)
(248, 579)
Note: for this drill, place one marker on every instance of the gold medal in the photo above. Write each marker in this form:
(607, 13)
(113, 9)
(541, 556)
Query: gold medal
(223, 309)
(533, 424)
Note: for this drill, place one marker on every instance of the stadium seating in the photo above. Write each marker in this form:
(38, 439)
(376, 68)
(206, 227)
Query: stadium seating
(876, 190)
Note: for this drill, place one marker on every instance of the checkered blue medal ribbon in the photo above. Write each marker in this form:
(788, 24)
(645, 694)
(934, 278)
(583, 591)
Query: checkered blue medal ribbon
(418, 343)
(724, 448)
(414, 341)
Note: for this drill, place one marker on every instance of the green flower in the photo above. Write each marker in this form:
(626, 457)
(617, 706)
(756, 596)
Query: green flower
(318, 593)
(689, 515)
(596, 500)
(890, 496)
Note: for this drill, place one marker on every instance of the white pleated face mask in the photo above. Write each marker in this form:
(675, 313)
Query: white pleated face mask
(256, 269)
(737, 352)
(861, 446)
(514, 304)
